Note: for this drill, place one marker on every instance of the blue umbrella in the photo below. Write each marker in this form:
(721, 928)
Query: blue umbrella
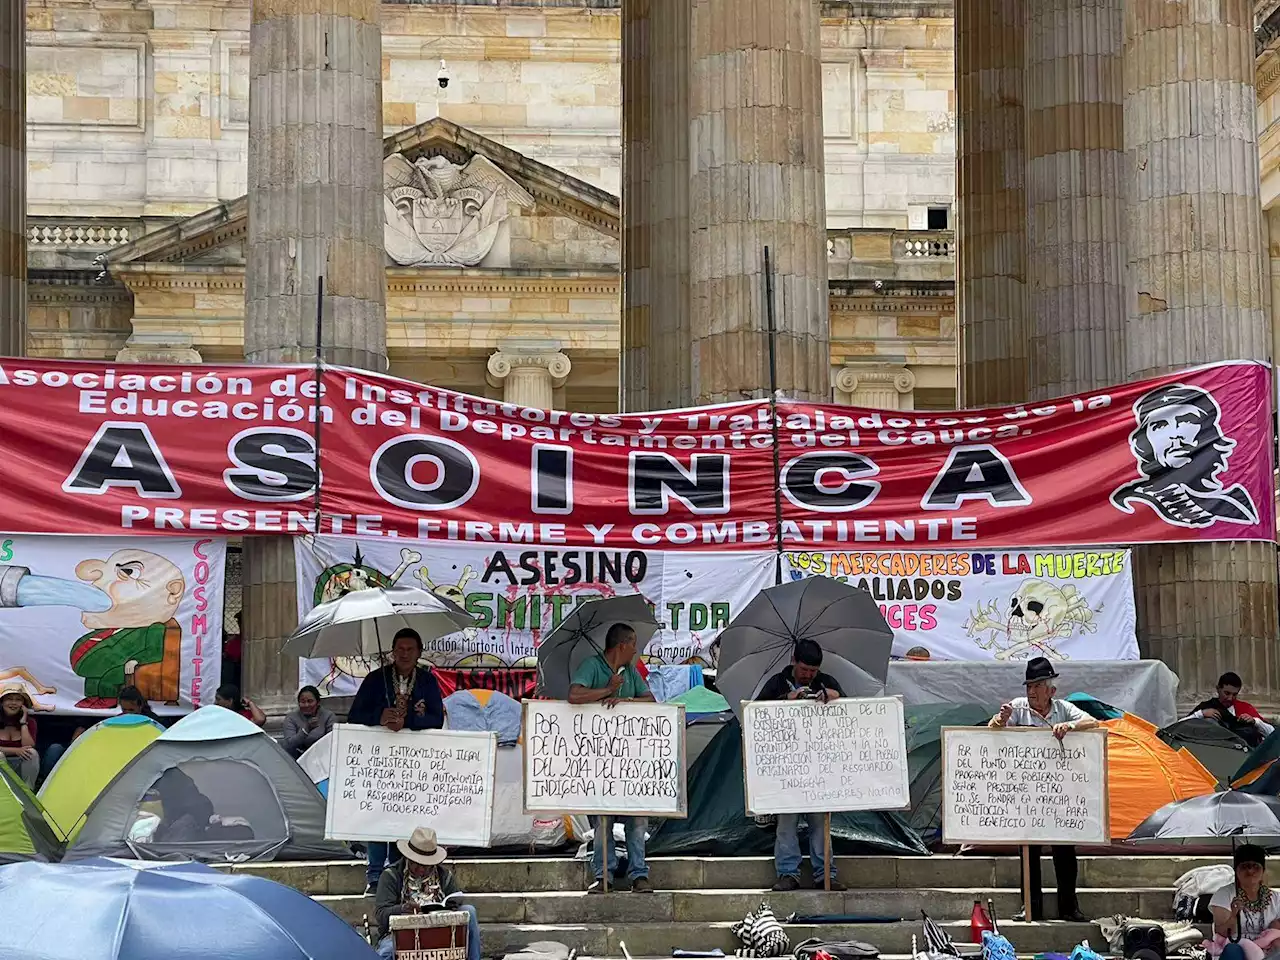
(104, 909)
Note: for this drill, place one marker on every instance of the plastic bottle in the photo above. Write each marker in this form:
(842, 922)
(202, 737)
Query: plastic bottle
(979, 921)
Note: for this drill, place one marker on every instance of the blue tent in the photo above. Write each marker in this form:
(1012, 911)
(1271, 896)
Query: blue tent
(126, 910)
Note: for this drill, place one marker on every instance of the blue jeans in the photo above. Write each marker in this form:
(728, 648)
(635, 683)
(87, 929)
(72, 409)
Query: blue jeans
(387, 950)
(380, 854)
(786, 845)
(634, 828)
(1232, 951)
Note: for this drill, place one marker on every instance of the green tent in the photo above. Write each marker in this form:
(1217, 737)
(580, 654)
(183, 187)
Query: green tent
(1263, 755)
(25, 833)
(924, 759)
(1221, 751)
(718, 824)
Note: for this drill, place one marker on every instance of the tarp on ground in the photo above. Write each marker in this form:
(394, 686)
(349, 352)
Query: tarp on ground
(1144, 773)
(25, 833)
(1220, 750)
(89, 764)
(718, 824)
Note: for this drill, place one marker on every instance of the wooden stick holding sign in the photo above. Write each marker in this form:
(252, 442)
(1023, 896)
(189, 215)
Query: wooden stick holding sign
(606, 828)
(826, 840)
(1026, 883)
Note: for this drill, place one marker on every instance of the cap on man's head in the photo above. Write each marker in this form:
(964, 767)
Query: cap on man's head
(1039, 668)
(1250, 853)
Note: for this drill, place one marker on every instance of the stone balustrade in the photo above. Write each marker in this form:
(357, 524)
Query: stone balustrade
(47, 232)
(875, 253)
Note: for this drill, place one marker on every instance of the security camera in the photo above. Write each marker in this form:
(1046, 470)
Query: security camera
(442, 77)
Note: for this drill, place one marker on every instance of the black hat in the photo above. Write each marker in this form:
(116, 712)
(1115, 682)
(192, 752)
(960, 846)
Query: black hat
(1250, 853)
(1039, 668)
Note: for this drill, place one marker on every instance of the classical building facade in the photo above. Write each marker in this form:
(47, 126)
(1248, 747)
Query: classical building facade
(470, 232)
(138, 143)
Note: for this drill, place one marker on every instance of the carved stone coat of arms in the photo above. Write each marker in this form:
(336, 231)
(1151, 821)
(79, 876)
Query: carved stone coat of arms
(440, 213)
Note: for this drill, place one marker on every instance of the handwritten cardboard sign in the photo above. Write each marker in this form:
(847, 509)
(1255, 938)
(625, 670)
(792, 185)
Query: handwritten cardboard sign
(383, 785)
(801, 756)
(1022, 785)
(591, 759)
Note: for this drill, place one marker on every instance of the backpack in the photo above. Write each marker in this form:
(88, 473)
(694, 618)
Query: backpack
(836, 949)
(995, 946)
(761, 934)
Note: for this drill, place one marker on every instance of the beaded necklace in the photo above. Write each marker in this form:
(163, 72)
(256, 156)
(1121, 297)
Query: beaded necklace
(1257, 905)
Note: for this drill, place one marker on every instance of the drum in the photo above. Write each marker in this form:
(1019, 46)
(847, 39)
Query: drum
(441, 935)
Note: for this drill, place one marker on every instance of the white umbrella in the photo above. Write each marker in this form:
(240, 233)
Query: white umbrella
(361, 623)
(580, 636)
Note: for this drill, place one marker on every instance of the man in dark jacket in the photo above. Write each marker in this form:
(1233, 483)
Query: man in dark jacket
(399, 696)
(803, 680)
(418, 883)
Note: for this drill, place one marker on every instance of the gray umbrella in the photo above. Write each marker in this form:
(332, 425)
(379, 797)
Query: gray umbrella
(580, 636)
(844, 621)
(1227, 817)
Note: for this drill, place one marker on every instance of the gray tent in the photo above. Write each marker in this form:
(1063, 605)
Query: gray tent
(213, 787)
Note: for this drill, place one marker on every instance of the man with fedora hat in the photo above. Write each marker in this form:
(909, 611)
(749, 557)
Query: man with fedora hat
(1039, 708)
(418, 883)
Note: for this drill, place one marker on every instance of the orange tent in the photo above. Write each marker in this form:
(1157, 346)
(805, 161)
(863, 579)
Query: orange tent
(1144, 773)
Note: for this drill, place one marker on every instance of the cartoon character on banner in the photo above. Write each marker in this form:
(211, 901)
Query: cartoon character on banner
(1040, 615)
(343, 578)
(128, 604)
(456, 592)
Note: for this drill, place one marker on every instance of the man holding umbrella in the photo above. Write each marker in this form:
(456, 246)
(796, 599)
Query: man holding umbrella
(1039, 708)
(610, 677)
(399, 696)
(803, 680)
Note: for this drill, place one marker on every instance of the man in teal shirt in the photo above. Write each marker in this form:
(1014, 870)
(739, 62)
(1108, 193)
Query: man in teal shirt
(609, 678)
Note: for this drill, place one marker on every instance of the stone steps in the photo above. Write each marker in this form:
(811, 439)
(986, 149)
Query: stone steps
(658, 939)
(564, 874)
(715, 906)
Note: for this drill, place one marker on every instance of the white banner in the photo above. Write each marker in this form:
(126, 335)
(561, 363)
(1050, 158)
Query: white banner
(82, 616)
(383, 785)
(1023, 785)
(1003, 605)
(520, 594)
(802, 756)
(625, 760)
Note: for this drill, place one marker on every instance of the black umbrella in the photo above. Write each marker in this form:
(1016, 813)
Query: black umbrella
(580, 636)
(843, 620)
(1226, 817)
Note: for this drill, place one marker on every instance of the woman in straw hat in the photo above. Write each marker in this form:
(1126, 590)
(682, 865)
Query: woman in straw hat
(18, 732)
(418, 883)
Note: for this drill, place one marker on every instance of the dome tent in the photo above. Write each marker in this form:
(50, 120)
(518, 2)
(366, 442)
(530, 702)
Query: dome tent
(25, 832)
(213, 787)
(91, 762)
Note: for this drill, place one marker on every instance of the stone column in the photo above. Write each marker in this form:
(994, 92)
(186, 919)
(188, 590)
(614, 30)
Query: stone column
(1273, 257)
(656, 362)
(13, 178)
(1195, 256)
(529, 372)
(875, 386)
(756, 156)
(991, 243)
(1075, 196)
(315, 209)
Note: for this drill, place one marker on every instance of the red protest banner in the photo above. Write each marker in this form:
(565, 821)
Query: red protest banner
(102, 448)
